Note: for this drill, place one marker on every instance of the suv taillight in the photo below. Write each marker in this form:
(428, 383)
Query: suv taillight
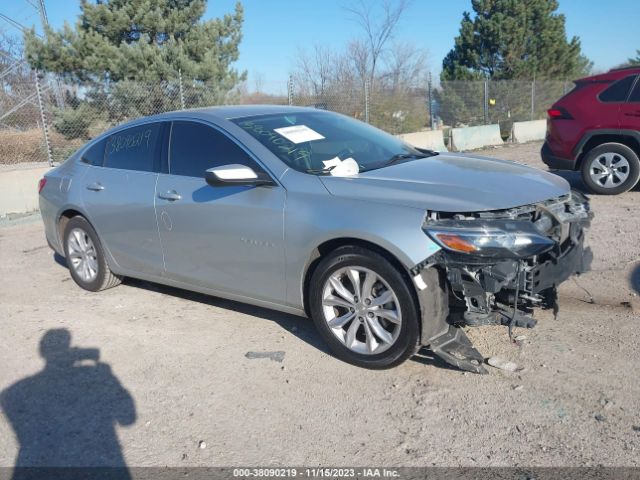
(559, 113)
(42, 183)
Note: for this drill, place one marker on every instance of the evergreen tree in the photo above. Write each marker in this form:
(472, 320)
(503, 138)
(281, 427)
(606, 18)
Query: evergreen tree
(507, 40)
(512, 39)
(636, 60)
(142, 40)
(127, 54)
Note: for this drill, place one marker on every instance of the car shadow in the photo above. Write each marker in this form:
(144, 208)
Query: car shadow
(301, 327)
(576, 182)
(574, 179)
(634, 278)
(65, 416)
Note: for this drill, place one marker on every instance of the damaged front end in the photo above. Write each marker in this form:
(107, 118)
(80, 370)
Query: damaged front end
(501, 265)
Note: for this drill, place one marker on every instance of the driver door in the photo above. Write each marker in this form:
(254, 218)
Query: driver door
(226, 238)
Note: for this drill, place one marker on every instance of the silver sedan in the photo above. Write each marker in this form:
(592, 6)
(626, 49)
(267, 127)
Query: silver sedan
(385, 246)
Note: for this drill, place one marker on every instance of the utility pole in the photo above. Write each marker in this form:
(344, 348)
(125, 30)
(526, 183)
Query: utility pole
(430, 100)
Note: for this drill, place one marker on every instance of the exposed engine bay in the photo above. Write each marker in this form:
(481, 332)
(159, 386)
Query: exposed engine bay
(501, 265)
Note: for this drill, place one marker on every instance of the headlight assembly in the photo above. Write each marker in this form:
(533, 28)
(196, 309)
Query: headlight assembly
(503, 239)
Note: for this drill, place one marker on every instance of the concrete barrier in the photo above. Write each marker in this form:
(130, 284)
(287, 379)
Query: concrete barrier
(471, 138)
(429, 139)
(529, 131)
(19, 188)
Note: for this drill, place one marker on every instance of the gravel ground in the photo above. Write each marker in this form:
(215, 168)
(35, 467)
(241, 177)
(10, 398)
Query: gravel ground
(174, 386)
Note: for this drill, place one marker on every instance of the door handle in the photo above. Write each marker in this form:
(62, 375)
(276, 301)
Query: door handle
(95, 186)
(171, 195)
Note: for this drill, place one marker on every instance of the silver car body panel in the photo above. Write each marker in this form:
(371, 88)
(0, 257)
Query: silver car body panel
(254, 244)
(452, 183)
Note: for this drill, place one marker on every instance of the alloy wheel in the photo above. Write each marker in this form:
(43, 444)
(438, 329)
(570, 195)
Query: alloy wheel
(82, 255)
(609, 170)
(361, 310)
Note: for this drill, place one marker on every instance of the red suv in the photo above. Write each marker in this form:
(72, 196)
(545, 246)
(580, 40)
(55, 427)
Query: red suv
(595, 128)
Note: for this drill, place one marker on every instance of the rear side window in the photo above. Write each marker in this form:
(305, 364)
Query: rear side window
(195, 148)
(136, 148)
(618, 91)
(95, 154)
(635, 95)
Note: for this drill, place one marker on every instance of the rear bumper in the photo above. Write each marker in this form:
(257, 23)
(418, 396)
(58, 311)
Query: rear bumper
(554, 162)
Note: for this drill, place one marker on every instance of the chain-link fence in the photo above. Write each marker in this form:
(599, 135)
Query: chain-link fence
(46, 119)
(468, 103)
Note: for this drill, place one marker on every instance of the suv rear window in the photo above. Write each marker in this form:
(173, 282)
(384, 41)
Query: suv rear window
(618, 91)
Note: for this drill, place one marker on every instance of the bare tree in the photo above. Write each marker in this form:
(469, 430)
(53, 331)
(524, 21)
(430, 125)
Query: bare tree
(316, 70)
(359, 59)
(406, 66)
(258, 82)
(378, 28)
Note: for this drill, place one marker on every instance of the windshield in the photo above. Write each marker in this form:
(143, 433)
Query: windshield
(317, 142)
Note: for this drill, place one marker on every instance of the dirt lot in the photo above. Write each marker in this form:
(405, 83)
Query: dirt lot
(182, 359)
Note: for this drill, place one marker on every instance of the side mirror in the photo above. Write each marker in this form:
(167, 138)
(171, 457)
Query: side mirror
(236, 174)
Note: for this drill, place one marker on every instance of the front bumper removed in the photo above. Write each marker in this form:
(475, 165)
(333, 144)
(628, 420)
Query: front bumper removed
(480, 291)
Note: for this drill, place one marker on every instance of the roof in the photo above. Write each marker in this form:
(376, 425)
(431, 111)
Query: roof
(236, 111)
(225, 112)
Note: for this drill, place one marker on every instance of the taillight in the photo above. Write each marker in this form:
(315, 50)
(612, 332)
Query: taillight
(41, 184)
(559, 113)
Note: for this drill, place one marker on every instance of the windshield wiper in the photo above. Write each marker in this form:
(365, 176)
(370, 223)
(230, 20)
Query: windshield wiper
(405, 156)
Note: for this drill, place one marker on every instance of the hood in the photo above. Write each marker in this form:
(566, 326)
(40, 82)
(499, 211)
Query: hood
(451, 183)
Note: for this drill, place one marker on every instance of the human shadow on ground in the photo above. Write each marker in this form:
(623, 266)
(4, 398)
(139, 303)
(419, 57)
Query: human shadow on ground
(64, 416)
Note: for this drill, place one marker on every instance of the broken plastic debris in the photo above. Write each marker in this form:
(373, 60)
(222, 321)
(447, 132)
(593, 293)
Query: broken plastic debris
(502, 364)
(275, 356)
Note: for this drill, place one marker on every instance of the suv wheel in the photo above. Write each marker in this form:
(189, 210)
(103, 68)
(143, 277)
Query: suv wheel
(85, 257)
(364, 309)
(610, 169)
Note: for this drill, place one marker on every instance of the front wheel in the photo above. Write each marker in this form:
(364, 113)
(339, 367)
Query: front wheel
(364, 309)
(610, 169)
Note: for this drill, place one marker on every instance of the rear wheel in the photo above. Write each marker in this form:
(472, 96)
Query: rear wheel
(610, 169)
(85, 257)
(364, 309)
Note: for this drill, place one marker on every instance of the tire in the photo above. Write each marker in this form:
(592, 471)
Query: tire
(83, 248)
(400, 340)
(610, 169)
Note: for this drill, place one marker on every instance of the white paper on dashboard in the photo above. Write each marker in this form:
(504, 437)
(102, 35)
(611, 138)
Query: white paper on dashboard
(298, 133)
(347, 167)
(332, 162)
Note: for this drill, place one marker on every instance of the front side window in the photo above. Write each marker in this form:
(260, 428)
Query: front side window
(314, 142)
(136, 148)
(618, 91)
(195, 147)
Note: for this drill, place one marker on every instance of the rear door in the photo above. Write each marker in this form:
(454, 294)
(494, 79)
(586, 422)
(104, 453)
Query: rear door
(119, 192)
(630, 110)
(226, 238)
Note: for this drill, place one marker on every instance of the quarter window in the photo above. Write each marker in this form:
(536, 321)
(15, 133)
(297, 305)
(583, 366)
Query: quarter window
(95, 154)
(136, 148)
(618, 91)
(195, 148)
(635, 95)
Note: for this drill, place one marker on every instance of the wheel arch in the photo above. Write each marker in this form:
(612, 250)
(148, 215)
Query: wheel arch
(328, 246)
(67, 213)
(629, 138)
